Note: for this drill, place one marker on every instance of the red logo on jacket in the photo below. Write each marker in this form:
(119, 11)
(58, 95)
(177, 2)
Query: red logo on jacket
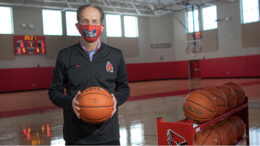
(109, 67)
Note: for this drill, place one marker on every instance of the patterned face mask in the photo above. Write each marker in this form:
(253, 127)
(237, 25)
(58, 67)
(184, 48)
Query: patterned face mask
(89, 32)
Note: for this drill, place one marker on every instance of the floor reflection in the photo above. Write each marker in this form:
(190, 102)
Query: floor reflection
(37, 135)
(137, 127)
(123, 136)
(132, 135)
(254, 136)
(57, 141)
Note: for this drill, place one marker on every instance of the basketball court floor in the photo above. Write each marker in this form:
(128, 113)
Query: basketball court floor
(29, 118)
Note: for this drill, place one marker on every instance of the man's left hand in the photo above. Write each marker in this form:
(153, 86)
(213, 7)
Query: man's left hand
(115, 103)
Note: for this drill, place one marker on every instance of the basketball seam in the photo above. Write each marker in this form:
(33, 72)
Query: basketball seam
(219, 137)
(209, 99)
(196, 117)
(92, 120)
(97, 93)
(95, 106)
(229, 95)
(218, 96)
(206, 138)
(201, 106)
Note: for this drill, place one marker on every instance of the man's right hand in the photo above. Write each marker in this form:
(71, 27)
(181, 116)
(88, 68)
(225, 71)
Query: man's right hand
(75, 104)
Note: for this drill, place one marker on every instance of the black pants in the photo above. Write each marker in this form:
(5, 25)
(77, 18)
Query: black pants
(116, 142)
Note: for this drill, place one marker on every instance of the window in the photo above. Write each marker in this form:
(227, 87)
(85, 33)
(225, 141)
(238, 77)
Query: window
(71, 20)
(6, 17)
(52, 22)
(113, 25)
(193, 21)
(209, 16)
(250, 11)
(130, 26)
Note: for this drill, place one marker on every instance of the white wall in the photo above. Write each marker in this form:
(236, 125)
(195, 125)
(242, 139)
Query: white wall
(169, 29)
(229, 35)
(155, 30)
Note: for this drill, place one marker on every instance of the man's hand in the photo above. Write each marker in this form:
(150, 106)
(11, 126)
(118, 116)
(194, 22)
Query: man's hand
(75, 104)
(115, 103)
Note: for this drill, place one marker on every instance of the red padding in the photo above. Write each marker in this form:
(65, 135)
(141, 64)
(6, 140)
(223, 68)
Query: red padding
(25, 78)
(242, 66)
(152, 71)
(40, 78)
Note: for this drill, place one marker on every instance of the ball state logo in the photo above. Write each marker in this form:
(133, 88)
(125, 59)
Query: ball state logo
(90, 34)
(174, 138)
(109, 67)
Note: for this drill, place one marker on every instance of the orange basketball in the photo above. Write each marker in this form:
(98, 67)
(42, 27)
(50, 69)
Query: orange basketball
(240, 126)
(208, 136)
(96, 105)
(239, 91)
(228, 130)
(222, 133)
(230, 94)
(220, 99)
(200, 106)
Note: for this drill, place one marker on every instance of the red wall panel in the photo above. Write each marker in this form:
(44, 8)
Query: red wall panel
(25, 78)
(242, 66)
(16, 79)
(152, 71)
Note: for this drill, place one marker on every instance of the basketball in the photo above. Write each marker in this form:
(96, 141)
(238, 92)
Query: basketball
(230, 94)
(240, 126)
(96, 105)
(239, 91)
(199, 106)
(208, 136)
(228, 130)
(220, 99)
(222, 133)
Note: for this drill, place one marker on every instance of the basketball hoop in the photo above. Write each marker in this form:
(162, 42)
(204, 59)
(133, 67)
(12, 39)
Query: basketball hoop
(193, 46)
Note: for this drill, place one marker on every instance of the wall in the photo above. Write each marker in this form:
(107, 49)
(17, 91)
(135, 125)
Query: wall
(229, 35)
(33, 16)
(154, 30)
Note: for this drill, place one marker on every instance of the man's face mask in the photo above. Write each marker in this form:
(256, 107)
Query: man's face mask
(89, 32)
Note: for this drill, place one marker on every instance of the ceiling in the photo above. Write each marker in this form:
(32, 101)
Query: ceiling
(129, 7)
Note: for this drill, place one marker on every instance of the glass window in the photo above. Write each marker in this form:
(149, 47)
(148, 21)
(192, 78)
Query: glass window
(209, 16)
(193, 18)
(250, 11)
(113, 25)
(131, 26)
(6, 17)
(52, 22)
(71, 20)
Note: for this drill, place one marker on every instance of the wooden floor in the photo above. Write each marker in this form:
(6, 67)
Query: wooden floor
(30, 118)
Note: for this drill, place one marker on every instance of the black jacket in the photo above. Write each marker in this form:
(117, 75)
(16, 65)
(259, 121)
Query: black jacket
(75, 71)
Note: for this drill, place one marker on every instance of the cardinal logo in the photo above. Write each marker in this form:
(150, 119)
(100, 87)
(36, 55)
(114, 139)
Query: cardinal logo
(175, 138)
(90, 34)
(109, 67)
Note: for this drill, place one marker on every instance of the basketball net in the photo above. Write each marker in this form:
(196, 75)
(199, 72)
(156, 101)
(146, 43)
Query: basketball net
(193, 46)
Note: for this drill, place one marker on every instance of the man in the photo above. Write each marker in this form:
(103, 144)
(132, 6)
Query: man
(86, 64)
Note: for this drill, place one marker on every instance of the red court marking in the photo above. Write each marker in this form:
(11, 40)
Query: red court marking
(250, 83)
(26, 111)
(156, 95)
